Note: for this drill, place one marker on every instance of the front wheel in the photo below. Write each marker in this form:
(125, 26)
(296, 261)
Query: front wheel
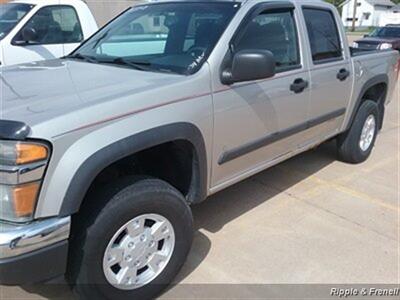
(135, 245)
(355, 146)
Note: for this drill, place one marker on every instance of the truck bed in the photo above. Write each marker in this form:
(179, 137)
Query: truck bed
(358, 52)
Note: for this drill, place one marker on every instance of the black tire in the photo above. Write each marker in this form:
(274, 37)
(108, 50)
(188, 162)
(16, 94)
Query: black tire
(348, 143)
(96, 226)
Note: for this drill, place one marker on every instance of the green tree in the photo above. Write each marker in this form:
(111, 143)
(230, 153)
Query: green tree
(337, 3)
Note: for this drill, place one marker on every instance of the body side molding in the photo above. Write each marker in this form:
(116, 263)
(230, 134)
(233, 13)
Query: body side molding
(272, 138)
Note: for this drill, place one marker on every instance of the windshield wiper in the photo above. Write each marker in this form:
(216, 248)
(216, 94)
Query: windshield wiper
(138, 65)
(85, 58)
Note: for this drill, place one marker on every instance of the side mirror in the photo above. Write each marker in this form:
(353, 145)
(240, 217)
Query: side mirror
(250, 65)
(29, 34)
(366, 35)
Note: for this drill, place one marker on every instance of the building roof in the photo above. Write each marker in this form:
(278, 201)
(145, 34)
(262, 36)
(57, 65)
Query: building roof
(374, 2)
(381, 2)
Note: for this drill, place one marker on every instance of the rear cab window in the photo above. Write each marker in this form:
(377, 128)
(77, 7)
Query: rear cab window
(323, 34)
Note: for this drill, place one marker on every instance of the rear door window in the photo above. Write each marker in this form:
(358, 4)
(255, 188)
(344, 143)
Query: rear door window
(323, 34)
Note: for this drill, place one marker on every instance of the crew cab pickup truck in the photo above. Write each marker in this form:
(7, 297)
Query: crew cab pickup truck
(32, 30)
(104, 152)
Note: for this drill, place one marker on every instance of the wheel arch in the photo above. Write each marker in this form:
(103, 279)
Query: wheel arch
(378, 80)
(97, 162)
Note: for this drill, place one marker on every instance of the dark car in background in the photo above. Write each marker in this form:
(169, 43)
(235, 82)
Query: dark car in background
(381, 38)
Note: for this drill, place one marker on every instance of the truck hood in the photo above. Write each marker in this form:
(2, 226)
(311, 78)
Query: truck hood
(378, 40)
(36, 93)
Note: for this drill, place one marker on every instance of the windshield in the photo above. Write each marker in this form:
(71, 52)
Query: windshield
(387, 32)
(168, 37)
(10, 15)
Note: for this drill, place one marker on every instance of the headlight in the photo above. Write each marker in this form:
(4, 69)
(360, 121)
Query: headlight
(355, 45)
(385, 46)
(18, 153)
(22, 167)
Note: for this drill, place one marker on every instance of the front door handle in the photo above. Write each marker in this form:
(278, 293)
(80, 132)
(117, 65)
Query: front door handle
(299, 85)
(343, 74)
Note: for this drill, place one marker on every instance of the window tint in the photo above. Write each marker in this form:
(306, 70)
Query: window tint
(198, 33)
(144, 35)
(323, 33)
(164, 37)
(148, 34)
(276, 32)
(10, 15)
(55, 25)
(387, 32)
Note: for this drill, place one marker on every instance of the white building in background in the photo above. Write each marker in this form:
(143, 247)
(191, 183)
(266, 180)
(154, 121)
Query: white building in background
(371, 13)
(105, 10)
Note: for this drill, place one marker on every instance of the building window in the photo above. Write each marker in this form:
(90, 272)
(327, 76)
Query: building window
(156, 22)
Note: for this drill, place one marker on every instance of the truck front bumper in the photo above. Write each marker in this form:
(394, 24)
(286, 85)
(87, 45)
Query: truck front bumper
(33, 252)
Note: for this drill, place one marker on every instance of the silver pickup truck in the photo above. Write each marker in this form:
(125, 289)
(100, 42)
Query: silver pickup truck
(103, 152)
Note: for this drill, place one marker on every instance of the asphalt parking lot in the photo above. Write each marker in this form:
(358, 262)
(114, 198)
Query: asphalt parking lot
(310, 220)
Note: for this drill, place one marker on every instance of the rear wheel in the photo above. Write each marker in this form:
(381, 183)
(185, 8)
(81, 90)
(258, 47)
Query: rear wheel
(135, 245)
(355, 146)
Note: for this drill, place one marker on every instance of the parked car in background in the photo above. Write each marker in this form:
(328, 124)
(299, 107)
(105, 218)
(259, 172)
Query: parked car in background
(32, 30)
(382, 38)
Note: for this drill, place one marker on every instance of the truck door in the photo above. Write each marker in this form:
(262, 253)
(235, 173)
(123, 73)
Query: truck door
(257, 122)
(331, 76)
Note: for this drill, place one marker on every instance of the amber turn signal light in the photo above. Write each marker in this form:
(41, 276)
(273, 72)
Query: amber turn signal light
(27, 153)
(25, 199)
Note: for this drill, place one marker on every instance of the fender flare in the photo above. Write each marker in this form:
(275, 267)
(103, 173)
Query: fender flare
(104, 157)
(383, 78)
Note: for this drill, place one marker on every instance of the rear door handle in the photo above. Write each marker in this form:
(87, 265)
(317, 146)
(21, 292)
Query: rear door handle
(299, 85)
(343, 74)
